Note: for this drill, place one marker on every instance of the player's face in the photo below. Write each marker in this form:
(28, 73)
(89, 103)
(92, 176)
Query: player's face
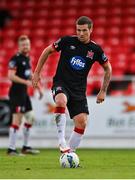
(83, 33)
(24, 46)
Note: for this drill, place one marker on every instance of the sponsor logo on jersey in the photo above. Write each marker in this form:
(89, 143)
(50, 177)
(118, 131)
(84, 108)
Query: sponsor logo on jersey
(90, 54)
(77, 63)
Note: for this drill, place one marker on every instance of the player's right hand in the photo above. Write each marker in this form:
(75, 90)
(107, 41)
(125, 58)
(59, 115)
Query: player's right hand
(28, 83)
(35, 79)
(101, 97)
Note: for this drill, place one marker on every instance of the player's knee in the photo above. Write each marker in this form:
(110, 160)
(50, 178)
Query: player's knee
(60, 102)
(29, 117)
(81, 121)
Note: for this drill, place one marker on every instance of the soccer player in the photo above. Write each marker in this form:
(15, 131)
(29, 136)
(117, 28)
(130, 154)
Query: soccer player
(20, 75)
(78, 54)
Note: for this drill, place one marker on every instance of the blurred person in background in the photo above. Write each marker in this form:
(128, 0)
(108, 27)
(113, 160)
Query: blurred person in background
(5, 17)
(78, 54)
(20, 75)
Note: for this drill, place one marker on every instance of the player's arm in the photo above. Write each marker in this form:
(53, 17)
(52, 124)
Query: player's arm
(107, 76)
(13, 77)
(42, 59)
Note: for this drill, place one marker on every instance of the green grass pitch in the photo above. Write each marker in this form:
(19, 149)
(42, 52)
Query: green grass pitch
(95, 164)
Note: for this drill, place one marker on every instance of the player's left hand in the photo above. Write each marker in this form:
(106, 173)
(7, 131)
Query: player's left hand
(40, 94)
(35, 79)
(101, 97)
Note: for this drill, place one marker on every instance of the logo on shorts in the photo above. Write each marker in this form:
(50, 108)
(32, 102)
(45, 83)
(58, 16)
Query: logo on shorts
(59, 88)
(77, 63)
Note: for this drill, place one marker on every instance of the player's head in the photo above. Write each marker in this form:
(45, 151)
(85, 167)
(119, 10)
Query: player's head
(84, 26)
(24, 44)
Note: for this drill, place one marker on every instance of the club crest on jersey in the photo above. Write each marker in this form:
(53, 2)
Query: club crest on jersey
(90, 54)
(77, 63)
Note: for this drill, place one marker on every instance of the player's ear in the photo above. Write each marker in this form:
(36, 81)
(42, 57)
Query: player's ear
(91, 29)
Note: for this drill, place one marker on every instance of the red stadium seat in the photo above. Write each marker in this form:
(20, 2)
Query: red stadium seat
(40, 23)
(29, 4)
(129, 31)
(114, 32)
(28, 13)
(99, 32)
(115, 21)
(14, 4)
(9, 33)
(116, 93)
(4, 89)
(42, 13)
(38, 33)
(130, 90)
(26, 23)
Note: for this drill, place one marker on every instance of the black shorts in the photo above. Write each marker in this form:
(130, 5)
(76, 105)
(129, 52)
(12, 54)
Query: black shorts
(75, 106)
(20, 104)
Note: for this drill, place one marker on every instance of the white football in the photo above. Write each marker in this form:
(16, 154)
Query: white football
(69, 160)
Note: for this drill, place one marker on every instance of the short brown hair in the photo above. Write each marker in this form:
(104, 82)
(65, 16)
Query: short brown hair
(22, 38)
(84, 20)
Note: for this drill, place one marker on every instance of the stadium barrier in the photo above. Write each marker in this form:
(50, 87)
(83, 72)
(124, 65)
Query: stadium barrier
(110, 125)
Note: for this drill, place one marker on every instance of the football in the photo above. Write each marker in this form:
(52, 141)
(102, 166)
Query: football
(69, 160)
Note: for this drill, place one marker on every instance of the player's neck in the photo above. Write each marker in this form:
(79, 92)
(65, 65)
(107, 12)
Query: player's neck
(86, 42)
(25, 54)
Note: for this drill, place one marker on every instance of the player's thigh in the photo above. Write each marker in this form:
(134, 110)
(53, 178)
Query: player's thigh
(28, 104)
(17, 103)
(29, 117)
(76, 107)
(17, 118)
(60, 96)
(17, 108)
(29, 113)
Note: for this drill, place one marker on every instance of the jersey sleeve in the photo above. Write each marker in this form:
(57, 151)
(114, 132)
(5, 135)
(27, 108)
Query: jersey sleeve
(12, 64)
(60, 43)
(101, 57)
